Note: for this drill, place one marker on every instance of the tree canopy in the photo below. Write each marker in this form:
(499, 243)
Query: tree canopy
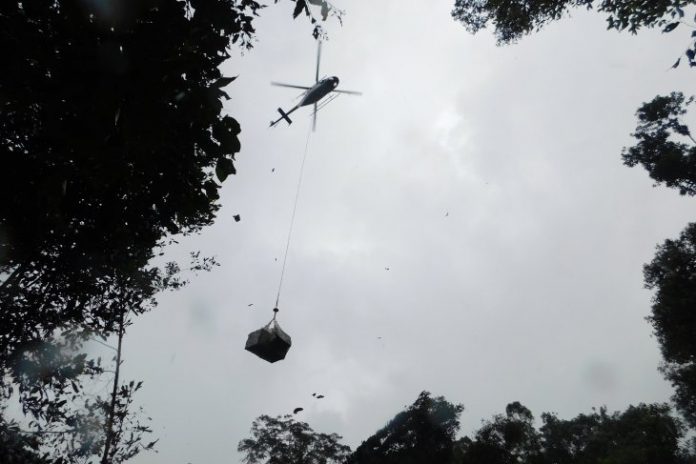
(506, 439)
(513, 19)
(281, 440)
(672, 274)
(640, 434)
(424, 432)
(665, 148)
(112, 128)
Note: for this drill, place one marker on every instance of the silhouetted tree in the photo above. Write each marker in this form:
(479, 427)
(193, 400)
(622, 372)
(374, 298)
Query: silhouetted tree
(111, 129)
(17, 447)
(423, 433)
(283, 440)
(112, 139)
(506, 439)
(665, 146)
(640, 434)
(672, 274)
(513, 19)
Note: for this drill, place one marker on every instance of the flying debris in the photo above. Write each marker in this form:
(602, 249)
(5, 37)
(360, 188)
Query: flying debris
(313, 95)
(237, 218)
(447, 214)
(250, 304)
(386, 268)
(296, 410)
(320, 397)
(273, 170)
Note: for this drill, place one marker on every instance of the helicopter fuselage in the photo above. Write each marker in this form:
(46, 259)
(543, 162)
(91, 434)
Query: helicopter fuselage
(319, 91)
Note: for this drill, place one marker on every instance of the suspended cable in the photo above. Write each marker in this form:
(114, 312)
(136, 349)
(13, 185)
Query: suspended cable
(292, 220)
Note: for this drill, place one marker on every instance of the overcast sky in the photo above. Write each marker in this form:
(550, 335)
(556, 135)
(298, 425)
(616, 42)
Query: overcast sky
(487, 179)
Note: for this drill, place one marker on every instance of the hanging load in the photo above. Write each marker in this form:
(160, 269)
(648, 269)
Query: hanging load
(269, 343)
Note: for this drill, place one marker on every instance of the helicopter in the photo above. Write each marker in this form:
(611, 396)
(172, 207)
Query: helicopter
(313, 95)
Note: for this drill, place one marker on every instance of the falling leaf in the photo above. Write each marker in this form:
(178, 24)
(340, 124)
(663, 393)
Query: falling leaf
(296, 410)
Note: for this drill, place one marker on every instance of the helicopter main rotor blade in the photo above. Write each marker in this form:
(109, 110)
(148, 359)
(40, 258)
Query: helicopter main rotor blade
(316, 75)
(349, 92)
(280, 84)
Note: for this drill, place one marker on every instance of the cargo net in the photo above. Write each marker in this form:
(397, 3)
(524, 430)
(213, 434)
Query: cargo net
(269, 343)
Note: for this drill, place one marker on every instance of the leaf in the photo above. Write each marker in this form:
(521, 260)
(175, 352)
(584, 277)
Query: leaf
(211, 189)
(225, 131)
(676, 63)
(299, 6)
(224, 82)
(670, 27)
(224, 168)
(237, 218)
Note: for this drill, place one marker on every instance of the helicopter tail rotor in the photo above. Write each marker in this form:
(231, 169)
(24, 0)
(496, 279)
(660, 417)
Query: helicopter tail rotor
(283, 115)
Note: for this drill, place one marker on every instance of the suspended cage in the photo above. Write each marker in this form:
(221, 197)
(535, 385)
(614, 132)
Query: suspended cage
(269, 343)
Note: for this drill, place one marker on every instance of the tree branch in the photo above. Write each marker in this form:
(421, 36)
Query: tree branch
(109, 427)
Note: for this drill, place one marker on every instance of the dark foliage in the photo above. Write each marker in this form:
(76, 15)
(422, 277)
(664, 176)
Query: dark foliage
(281, 440)
(111, 129)
(513, 19)
(19, 448)
(665, 146)
(642, 434)
(506, 439)
(672, 274)
(423, 433)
